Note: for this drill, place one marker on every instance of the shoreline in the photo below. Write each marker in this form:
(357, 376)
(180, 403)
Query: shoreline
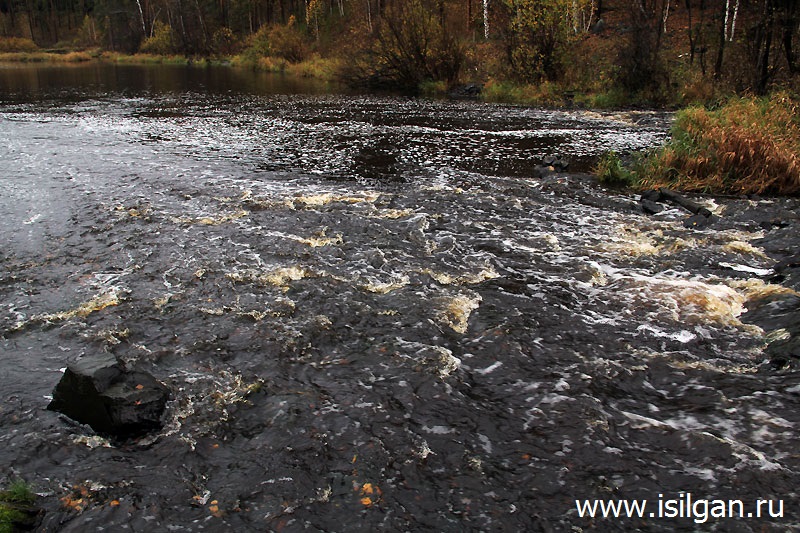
(547, 95)
(689, 144)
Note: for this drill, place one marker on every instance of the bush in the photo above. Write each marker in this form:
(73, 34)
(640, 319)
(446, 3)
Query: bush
(224, 42)
(160, 42)
(17, 44)
(748, 146)
(611, 171)
(18, 492)
(538, 33)
(279, 43)
(11, 515)
(288, 42)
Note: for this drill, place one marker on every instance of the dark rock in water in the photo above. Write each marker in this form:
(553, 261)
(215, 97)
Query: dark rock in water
(787, 263)
(699, 221)
(653, 195)
(540, 171)
(650, 207)
(98, 391)
(471, 90)
(557, 163)
(785, 352)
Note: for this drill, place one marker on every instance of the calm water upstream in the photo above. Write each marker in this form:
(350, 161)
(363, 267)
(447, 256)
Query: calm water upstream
(371, 315)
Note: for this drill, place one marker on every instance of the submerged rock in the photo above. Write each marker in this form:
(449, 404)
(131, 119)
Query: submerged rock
(650, 207)
(699, 220)
(558, 163)
(468, 91)
(98, 391)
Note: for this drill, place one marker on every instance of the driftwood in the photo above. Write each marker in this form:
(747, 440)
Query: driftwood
(701, 216)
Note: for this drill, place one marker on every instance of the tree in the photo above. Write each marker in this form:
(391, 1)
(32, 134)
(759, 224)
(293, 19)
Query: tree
(641, 67)
(539, 31)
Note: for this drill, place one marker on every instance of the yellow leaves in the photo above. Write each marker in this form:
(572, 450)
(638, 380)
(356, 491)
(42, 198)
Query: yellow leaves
(81, 497)
(368, 493)
(73, 503)
(213, 508)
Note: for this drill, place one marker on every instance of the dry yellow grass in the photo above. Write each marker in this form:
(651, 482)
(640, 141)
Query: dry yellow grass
(749, 146)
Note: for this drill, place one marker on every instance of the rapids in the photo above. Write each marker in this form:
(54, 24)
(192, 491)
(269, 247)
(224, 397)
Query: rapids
(371, 315)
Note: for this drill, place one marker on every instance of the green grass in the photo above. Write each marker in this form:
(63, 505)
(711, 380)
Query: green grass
(433, 88)
(18, 493)
(9, 517)
(611, 171)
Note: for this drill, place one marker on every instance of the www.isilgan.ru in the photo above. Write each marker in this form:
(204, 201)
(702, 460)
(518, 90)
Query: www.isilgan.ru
(683, 506)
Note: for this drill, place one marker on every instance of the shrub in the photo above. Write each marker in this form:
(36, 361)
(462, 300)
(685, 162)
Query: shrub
(278, 43)
(161, 40)
(224, 42)
(538, 33)
(18, 494)
(17, 44)
(611, 171)
(748, 146)
(288, 42)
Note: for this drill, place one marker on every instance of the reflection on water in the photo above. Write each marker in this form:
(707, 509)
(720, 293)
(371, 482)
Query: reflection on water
(23, 81)
(370, 315)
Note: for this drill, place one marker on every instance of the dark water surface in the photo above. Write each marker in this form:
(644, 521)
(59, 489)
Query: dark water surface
(370, 314)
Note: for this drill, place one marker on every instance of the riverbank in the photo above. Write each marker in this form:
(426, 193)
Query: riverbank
(545, 94)
(745, 146)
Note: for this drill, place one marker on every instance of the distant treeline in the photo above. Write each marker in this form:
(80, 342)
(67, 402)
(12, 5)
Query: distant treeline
(639, 46)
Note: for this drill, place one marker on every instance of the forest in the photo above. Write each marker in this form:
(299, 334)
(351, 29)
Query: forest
(673, 51)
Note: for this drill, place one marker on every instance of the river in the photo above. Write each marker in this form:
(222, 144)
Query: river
(372, 315)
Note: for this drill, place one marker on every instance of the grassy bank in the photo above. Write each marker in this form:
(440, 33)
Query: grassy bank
(746, 146)
(15, 508)
(45, 57)
(313, 67)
